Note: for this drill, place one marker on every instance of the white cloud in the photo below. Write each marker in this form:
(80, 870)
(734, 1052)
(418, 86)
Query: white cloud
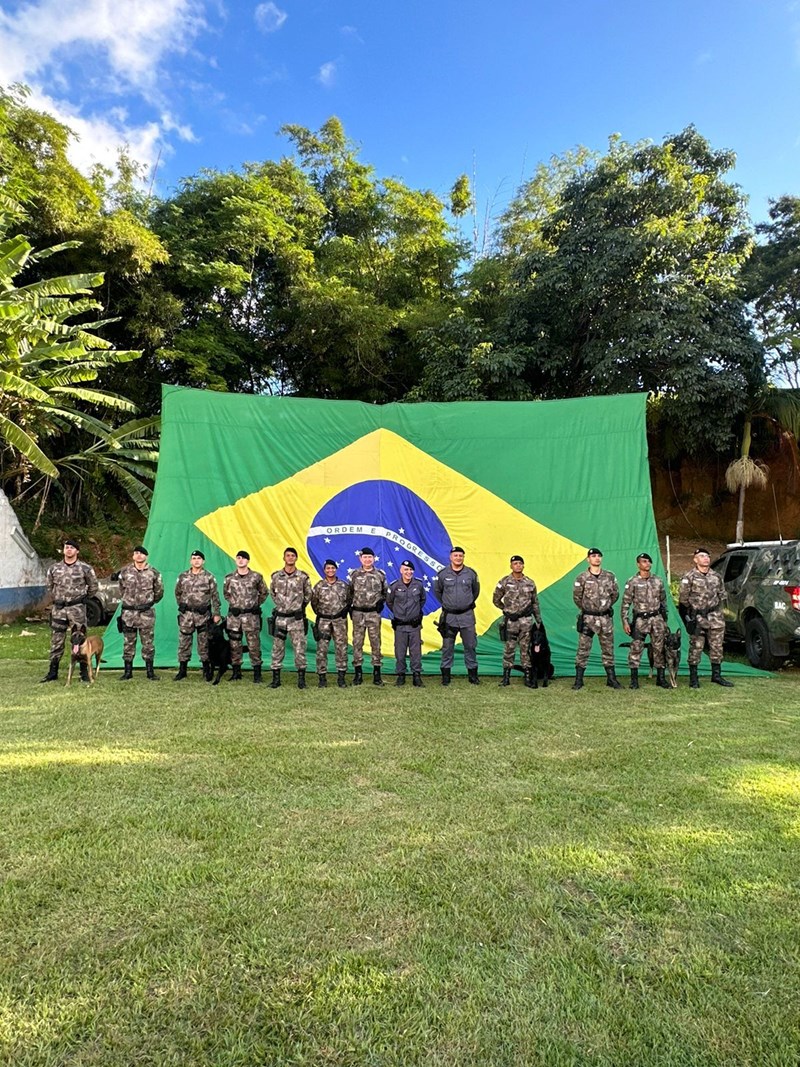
(326, 75)
(269, 17)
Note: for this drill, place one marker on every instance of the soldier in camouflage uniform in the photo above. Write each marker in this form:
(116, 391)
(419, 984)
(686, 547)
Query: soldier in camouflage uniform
(595, 593)
(330, 602)
(645, 596)
(369, 596)
(701, 600)
(140, 588)
(245, 592)
(517, 598)
(406, 598)
(290, 590)
(198, 600)
(70, 584)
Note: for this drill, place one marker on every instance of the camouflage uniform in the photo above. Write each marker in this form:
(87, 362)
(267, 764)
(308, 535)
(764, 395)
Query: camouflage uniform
(290, 593)
(701, 593)
(648, 599)
(198, 599)
(407, 603)
(245, 593)
(140, 591)
(457, 592)
(518, 600)
(330, 602)
(70, 585)
(369, 596)
(595, 596)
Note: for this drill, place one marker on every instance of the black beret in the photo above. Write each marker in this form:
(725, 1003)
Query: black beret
(330, 563)
(457, 548)
(594, 552)
(367, 552)
(73, 544)
(517, 559)
(197, 552)
(407, 563)
(698, 551)
(290, 549)
(243, 554)
(142, 549)
(644, 555)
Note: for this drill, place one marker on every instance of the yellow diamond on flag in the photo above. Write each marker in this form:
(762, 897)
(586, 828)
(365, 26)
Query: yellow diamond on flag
(486, 526)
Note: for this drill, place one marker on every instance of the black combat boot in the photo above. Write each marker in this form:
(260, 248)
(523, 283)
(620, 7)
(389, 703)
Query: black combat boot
(531, 681)
(416, 680)
(276, 680)
(151, 675)
(694, 681)
(127, 673)
(716, 676)
(322, 681)
(256, 674)
(357, 676)
(634, 678)
(341, 679)
(611, 679)
(236, 673)
(472, 676)
(506, 679)
(445, 676)
(661, 680)
(182, 665)
(52, 674)
(301, 678)
(376, 676)
(400, 679)
(579, 672)
(208, 671)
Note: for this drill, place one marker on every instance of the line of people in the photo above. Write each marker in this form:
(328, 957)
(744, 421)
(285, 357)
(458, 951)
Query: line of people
(362, 598)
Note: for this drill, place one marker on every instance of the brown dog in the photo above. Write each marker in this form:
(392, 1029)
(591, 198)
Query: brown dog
(84, 649)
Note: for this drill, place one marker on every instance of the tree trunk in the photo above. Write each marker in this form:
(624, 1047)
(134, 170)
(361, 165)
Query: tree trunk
(746, 440)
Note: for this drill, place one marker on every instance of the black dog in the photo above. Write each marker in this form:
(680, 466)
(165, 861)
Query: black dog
(541, 663)
(219, 650)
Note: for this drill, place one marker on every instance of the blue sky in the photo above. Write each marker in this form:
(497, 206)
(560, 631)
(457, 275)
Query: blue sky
(430, 90)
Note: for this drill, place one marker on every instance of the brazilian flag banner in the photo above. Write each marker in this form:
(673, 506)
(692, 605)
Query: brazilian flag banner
(544, 480)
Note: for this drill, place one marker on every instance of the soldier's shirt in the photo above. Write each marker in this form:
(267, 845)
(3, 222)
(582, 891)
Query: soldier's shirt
(71, 581)
(595, 592)
(140, 587)
(330, 598)
(456, 591)
(290, 592)
(406, 602)
(644, 595)
(245, 591)
(702, 591)
(198, 591)
(517, 595)
(369, 589)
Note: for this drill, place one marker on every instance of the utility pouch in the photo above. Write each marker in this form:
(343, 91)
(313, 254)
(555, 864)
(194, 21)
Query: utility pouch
(271, 625)
(315, 630)
(580, 623)
(503, 629)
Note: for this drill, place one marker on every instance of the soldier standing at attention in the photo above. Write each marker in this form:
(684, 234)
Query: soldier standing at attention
(369, 596)
(701, 599)
(330, 602)
(406, 599)
(141, 588)
(245, 592)
(290, 589)
(70, 584)
(517, 598)
(595, 593)
(644, 593)
(198, 599)
(457, 588)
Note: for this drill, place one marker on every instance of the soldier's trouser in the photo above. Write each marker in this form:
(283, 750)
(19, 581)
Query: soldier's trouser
(519, 633)
(189, 623)
(712, 628)
(142, 623)
(464, 622)
(296, 632)
(656, 627)
(337, 629)
(603, 626)
(61, 622)
(249, 625)
(408, 639)
(366, 622)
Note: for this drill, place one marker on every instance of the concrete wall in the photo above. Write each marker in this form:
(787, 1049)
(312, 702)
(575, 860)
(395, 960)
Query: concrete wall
(22, 575)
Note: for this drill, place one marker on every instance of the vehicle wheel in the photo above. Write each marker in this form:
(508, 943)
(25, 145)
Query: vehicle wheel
(757, 646)
(94, 613)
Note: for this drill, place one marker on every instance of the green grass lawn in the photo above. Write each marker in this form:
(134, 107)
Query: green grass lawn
(237, 876)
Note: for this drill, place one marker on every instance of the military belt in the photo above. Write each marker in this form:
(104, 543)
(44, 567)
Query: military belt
(290, 614)
(201, 609)
(708, 611)
(608, 613)
(69, 603)
(646, 614)
(138, 607)
(373, 607)
(339, 615)
(256, 610)
(516, 616)
(415, 622)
